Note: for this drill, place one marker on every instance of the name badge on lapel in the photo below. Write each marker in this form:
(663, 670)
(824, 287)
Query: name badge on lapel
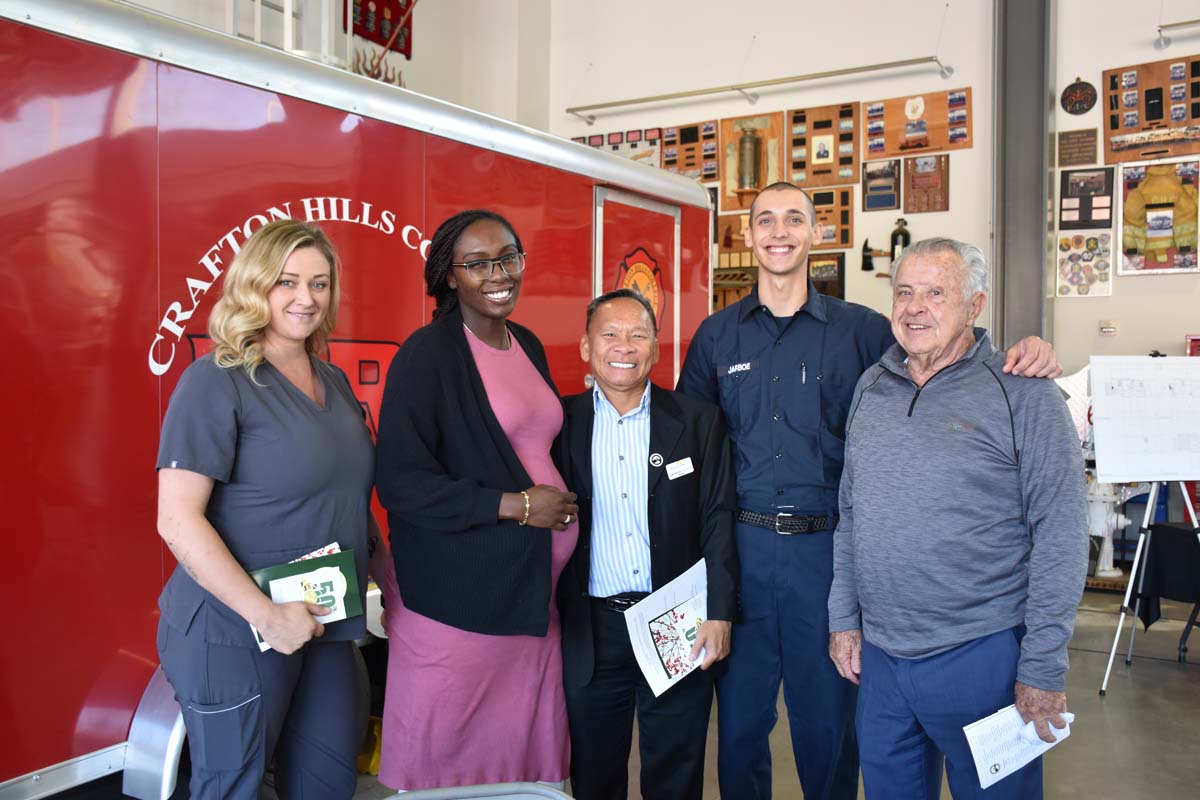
(677, 469)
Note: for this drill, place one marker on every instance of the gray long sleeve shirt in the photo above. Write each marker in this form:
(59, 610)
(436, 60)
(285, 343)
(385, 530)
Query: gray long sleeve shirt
(962, 513)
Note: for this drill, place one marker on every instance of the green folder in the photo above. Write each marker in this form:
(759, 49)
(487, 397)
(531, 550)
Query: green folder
(344, 561)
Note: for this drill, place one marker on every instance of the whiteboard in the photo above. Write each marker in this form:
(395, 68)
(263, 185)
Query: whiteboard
(1146, 418)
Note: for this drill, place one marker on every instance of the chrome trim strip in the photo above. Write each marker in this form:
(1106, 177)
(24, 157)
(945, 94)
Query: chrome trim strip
(645, 203)
(145, 33)
(63, 776)
(598, 196)
(675, 297)
(712, 261)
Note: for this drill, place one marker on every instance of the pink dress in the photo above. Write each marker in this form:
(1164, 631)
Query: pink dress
(465, 708)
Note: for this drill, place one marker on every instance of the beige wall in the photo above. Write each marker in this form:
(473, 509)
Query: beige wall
(1154, 311)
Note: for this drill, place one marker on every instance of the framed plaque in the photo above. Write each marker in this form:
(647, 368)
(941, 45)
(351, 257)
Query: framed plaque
(881, 185)
(927, 184)
(822, 145)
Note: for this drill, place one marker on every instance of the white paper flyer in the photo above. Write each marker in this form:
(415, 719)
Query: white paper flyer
(663, 628)
(1000, 744)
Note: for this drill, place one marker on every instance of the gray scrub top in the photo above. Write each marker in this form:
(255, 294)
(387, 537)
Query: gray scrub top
(290, 477)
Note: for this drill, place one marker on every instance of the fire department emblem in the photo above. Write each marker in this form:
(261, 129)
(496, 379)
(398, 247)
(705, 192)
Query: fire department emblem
(640, 272)
(1079, 97)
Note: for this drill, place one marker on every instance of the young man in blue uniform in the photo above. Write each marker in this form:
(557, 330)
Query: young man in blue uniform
(782, 363)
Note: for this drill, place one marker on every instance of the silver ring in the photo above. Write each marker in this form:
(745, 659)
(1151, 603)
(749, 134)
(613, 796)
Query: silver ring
(567, 520)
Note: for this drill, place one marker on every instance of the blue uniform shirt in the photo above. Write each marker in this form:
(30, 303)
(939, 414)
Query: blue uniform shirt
(785, 385)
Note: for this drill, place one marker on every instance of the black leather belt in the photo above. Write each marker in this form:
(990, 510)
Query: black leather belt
(788, 524)
(621, 602)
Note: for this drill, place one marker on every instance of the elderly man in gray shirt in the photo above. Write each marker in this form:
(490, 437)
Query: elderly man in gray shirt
(961, 550)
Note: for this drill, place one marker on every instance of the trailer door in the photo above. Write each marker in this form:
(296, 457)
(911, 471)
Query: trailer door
(637, 246)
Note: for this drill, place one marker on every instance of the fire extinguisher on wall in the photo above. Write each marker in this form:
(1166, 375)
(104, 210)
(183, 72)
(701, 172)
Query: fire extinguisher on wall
(900, 238)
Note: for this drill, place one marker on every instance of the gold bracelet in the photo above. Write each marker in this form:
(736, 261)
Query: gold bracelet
(525, 519)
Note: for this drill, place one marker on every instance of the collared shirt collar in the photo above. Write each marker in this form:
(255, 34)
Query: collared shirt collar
(896, 360)
(815, 305)
(600, 400)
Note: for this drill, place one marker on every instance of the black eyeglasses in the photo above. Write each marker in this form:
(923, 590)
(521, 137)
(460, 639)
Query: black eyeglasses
(511, 264)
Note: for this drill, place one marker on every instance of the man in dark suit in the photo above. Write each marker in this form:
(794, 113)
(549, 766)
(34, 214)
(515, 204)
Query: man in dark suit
(653, 472)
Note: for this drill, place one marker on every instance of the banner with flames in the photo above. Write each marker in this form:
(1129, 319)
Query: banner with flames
(376, 21)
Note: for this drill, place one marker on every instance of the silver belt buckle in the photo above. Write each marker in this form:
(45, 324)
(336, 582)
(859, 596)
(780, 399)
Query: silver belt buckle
(778, 517)
(621, 604)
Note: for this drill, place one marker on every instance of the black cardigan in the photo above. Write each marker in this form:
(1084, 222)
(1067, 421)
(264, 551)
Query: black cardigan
(442, 463)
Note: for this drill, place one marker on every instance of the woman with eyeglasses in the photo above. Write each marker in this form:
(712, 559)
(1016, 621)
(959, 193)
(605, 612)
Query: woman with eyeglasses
(481, 527)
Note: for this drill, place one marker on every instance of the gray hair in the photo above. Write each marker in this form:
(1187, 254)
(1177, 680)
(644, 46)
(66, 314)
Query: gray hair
(976, 277)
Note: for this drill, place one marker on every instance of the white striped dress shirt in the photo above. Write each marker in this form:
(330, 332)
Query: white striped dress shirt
(620, 560)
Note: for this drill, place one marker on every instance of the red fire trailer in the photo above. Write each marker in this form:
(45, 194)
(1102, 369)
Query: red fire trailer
(137, 153)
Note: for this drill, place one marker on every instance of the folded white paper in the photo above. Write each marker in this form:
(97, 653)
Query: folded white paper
(663, 628)
(1003, 743)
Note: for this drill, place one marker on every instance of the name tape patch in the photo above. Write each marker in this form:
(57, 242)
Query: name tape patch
(725, 370)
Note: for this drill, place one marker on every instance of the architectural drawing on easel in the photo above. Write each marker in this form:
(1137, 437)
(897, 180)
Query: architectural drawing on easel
(1144, 411)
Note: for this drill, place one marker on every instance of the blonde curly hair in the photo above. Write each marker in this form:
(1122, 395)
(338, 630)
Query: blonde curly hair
(238, 322)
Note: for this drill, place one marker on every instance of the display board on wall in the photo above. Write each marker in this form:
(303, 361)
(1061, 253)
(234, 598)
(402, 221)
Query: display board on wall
(1085, 264)
(917, 123)
(822, 147)
(927, 184)
(693, 150)
(828, 273)
(881, 185)
(835, 212)
(1158, 217)
(1152, 110)
(752, 148)
(1085, 198)
(641, 145)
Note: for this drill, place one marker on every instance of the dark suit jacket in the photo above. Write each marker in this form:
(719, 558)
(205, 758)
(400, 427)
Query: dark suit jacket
(689, 517)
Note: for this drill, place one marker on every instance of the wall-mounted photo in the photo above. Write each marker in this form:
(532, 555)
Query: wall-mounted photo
(881, 185)
(1085, 198)
(822, 149)
(828, 273)
(1159, 215)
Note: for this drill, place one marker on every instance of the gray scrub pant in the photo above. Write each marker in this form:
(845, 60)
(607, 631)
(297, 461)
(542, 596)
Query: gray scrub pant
(244, 710)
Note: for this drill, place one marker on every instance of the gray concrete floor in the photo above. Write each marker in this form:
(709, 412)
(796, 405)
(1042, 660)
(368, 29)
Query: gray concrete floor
(1142, 740)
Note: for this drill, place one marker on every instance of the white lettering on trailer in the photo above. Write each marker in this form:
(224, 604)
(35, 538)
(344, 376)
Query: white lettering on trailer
(343, 209)
(419, 244)
(316, 209)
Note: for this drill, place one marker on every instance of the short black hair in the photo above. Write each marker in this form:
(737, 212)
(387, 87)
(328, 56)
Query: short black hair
(617, 294)
(780, 185)
(441, 255)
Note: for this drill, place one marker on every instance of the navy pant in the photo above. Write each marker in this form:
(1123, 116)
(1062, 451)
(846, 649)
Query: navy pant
(672, 728)
(244, 710)
(784, 636)
(911, 713)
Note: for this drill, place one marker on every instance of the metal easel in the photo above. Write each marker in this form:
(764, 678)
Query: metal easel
(1143, 548)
